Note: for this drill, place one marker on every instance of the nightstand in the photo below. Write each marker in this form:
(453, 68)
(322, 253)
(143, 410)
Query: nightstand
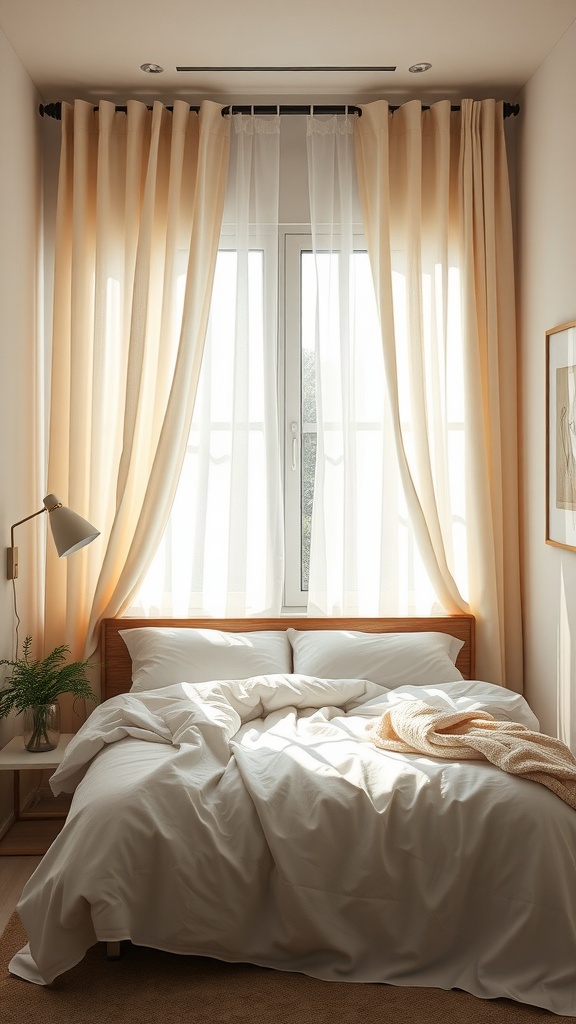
(33, 830)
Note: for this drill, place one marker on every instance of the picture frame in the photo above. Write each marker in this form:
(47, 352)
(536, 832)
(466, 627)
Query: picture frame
(561, 436)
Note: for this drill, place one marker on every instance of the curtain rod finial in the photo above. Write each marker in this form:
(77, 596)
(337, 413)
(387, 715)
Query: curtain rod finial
(51, 110)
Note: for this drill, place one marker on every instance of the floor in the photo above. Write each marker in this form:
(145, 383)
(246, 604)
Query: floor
(14, 873)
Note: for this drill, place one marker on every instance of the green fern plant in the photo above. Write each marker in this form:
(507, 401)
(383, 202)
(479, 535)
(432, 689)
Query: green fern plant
(35, 681)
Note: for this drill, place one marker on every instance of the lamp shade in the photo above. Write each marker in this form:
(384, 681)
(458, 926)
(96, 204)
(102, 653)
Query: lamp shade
(69, 530)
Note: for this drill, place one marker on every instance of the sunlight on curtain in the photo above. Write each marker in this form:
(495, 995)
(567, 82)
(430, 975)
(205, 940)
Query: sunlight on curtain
(136, 190)
(222, 552)
(436, 208)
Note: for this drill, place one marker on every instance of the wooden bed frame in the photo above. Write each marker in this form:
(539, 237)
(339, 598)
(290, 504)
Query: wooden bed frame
(117, 666)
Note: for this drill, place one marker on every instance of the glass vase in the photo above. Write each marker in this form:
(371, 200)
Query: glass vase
(41, 729)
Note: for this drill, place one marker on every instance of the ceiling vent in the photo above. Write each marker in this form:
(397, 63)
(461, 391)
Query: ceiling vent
(339, 70)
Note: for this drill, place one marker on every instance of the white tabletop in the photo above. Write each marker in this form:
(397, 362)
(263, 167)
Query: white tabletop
(14, 755)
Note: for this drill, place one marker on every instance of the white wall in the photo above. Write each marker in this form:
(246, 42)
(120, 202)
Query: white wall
(546, 222)
(21, 370)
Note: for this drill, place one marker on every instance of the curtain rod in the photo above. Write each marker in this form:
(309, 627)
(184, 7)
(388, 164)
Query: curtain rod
(54, 110)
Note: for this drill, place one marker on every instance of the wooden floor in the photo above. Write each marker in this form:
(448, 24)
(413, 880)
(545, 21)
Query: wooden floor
(14, 873)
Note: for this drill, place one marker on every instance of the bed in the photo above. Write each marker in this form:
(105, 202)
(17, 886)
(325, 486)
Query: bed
(230, 802)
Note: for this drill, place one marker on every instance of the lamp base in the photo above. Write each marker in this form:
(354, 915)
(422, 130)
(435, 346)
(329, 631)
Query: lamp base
(12, 563)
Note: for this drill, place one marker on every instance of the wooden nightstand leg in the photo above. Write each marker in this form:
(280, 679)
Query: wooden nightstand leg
(113, 951)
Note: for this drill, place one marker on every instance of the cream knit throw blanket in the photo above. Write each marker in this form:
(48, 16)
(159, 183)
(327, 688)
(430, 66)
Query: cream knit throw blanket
(415, 727)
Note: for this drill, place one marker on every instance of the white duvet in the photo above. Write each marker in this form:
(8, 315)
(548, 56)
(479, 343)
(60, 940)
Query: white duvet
(256, 821)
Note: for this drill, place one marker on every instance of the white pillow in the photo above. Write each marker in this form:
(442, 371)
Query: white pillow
(390, 659)
(162, 656)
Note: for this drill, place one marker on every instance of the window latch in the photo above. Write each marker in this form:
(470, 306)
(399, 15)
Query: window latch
(294, 429)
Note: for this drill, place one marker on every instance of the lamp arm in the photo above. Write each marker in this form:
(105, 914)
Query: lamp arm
(25, 520)
(12, 551)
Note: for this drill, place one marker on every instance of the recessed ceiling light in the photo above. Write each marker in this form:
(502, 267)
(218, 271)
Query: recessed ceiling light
(152, 69)
(417, 69)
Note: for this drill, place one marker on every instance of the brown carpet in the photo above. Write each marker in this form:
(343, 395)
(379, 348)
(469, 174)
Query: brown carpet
(148, 987)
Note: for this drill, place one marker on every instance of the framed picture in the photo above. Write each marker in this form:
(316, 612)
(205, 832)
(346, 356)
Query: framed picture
(561, 436)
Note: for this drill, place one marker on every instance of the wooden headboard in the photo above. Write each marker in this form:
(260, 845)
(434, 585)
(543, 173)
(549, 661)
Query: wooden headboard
(117, 666)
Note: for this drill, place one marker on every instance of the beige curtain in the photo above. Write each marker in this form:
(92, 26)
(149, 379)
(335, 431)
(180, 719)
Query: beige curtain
(436, 205)
(140, 200)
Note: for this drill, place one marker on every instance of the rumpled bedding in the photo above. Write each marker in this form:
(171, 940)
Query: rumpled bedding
(255, 821)
(415, 727)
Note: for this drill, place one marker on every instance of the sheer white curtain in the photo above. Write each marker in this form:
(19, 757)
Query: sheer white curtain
(222, 552)
(363, 558)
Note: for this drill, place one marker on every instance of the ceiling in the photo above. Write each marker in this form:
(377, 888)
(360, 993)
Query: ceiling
(477, 48)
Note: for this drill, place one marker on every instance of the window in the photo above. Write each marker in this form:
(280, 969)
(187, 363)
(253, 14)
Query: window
(234, 426)
(185, 571)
